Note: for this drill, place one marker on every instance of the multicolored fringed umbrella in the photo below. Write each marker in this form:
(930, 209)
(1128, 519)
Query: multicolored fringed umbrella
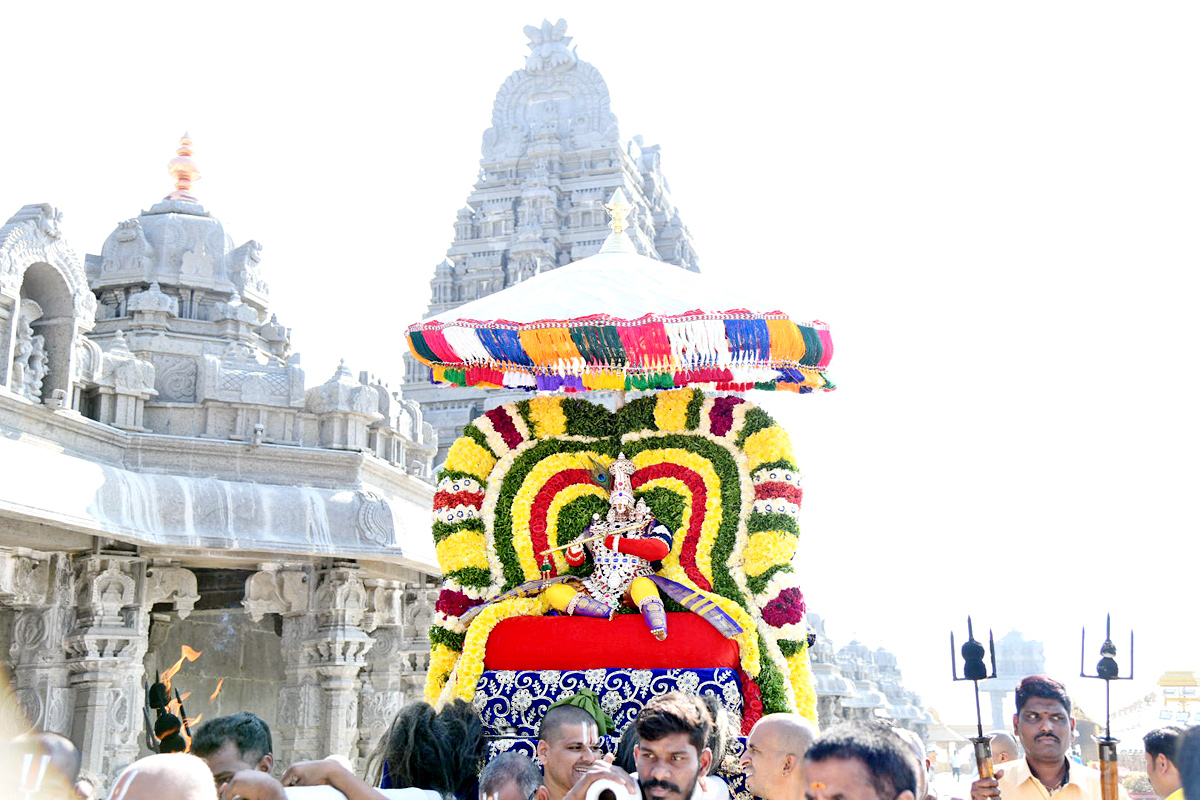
(620, 321)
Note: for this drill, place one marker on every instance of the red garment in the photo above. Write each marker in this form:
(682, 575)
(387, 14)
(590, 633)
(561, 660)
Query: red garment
(649, 549)
(623, 642)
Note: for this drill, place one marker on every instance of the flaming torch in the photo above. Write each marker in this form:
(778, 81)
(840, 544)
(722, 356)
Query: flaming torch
(170, 726)
(1107, 671)
(975, 671)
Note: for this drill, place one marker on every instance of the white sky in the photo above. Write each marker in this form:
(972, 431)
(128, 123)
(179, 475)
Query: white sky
(994, 206)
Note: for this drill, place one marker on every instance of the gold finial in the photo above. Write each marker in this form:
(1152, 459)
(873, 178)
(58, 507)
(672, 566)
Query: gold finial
(183, 170)
(618, 208)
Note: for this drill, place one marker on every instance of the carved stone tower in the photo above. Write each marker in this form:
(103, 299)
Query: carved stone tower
(551, 159)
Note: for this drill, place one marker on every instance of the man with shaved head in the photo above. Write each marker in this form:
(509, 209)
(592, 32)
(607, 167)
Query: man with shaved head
(50, 763)
(178, 776)
(568, 744)
(774, 757)
(1004, 747)
(920, 763)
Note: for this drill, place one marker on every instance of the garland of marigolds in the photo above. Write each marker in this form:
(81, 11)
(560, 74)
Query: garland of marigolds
(715, 468)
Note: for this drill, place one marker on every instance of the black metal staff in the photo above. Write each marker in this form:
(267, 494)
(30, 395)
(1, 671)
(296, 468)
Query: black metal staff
(1107, 671)
(974, 670)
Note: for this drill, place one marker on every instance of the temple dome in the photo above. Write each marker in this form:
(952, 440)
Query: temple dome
(178, 244)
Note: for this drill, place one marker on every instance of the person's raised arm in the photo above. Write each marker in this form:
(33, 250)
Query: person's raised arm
(331, 773)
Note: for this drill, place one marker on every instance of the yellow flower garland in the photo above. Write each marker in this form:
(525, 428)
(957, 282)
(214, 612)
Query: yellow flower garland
(462, 549)
(769, 444)
(670, 412)
(801, 676)
(548, 417)
(441, 664)
(767, 549)
(466, 455)
(470, 665)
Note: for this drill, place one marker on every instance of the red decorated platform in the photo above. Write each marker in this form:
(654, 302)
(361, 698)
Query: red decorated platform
(536, 643)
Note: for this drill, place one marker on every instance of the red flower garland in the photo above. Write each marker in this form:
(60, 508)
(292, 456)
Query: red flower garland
(454, 604)
(720, 418)
(691, 539)
(778, 490)
(786, 609)
(504, 426)
(752, 707)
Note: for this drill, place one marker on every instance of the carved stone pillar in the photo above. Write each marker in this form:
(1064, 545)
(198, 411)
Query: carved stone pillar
(38, 586)
(417, 614)
(104, 649)
(383, 679)
(338, 649)
(285, 589)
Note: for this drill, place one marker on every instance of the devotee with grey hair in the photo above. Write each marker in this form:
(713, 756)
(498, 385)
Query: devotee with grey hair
(512, 776)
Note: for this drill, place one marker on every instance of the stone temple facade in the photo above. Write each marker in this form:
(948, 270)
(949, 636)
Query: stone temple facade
(551, 159)
(855, 682)
(167, 478)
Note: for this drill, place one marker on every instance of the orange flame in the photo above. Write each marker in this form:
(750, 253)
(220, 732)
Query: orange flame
(174, 706)
(216, 691)
(185, 653)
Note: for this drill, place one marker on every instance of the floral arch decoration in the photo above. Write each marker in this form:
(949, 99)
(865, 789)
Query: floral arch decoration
(716, 469)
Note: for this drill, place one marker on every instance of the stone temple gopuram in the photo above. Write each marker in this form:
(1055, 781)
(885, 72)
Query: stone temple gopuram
(168, 481)
(551, 159)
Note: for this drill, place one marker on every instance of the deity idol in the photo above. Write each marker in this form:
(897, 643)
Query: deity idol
(623, 547)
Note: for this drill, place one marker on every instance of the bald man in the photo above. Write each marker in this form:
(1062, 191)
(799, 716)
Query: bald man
(58, 775)
(920, 763)
(178, 776)
(568, 744)
(774, 758)
(1004, 747)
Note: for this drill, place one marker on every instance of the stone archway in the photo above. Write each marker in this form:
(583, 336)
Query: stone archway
(44, 334)
(45, 304)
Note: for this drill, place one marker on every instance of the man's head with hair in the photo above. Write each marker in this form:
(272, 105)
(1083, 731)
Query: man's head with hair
(1161, 746)
(234, 743)
(860, 761)
(1004, 747)
(1187, 759)
(773, 760)
(427, 749)
(177, 776)
(672, 752)
(1043, 721)
(511, 776)
(63, 760)
(1043, 687)
(624, 757)
(568, 743)
(718, 735)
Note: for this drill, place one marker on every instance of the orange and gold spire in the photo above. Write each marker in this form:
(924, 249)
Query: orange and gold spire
(183, 170)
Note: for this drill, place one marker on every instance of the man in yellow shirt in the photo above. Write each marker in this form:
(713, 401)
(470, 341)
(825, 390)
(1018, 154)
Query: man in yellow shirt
(1161, 746)
(1044, 725)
